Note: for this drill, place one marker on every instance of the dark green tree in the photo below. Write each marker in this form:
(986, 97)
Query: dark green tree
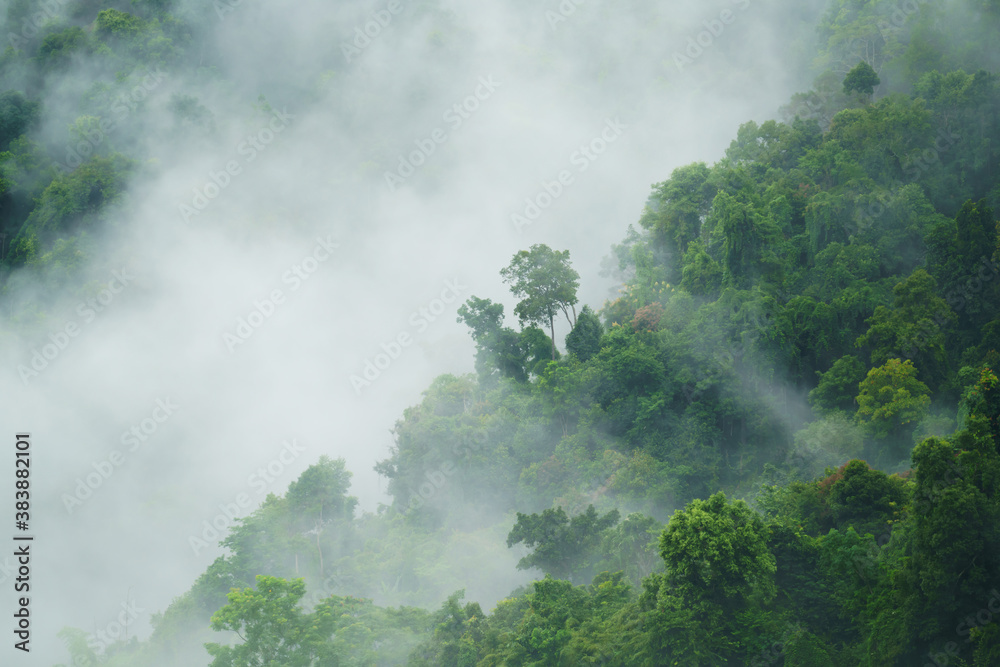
(861, 79)
(566, 548)
(584, 340)
(838, 386)
(17, 115)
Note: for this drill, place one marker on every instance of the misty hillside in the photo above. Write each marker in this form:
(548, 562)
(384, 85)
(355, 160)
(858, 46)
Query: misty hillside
(571, 332)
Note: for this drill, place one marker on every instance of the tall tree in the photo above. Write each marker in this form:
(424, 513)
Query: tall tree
(545, 282)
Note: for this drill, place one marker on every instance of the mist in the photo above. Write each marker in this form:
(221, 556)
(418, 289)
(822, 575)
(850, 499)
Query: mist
(311, 202)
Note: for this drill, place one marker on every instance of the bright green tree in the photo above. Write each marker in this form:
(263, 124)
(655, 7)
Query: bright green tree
(716, 553)
(274, 629)
(892, 398)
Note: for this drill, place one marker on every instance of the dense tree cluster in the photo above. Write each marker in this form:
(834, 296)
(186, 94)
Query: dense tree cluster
(793, 402)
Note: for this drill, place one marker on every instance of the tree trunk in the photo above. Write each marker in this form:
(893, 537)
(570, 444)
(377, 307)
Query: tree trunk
(320, 550)
(552, 330)
(318, 547)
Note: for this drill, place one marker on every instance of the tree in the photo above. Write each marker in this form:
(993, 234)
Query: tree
(563, 547)
(716, 552)
(976, 232)
(17, 115)
(866, 498)
(914, 327)
(675, 210)
(838, 386)
(319, 496)
(892, 397)
(545, 282)
(631, 547)
(829, 441)
(862, 79)
(717, 564)
(748, 239)
(584, 341)
(273, 627)
(500, 349)
(702, 275)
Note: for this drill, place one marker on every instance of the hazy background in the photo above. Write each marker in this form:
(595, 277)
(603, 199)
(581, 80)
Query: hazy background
(323, 176)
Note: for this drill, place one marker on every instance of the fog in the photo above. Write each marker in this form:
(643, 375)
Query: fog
(212, 229)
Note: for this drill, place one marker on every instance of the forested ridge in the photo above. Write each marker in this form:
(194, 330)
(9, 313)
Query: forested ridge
(778, 445)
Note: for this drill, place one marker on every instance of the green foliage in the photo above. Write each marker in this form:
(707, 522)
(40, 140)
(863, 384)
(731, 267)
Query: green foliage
(584, 340)
(892, 398)
(58, 48)
(702, 275)
(80, 197)
(273, 628)
(563, 547)
(674, 210)
(320, 493)
(716, 554)
(913, 327)
(866, 499)
(861, 79)
(847, 255)
(838, 386)
(17, 115)
(545, 282)
(826, 442)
